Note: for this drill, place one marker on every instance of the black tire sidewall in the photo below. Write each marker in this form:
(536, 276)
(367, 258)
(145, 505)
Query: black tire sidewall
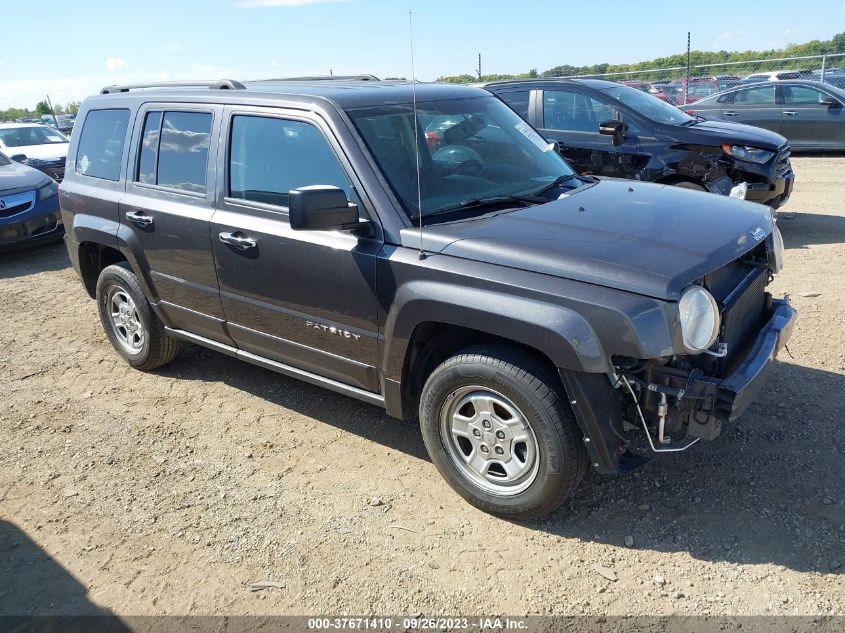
(554, 474)
(117, 275)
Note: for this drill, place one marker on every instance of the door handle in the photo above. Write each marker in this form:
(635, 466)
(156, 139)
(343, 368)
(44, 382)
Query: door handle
(139, 218)
(730, 113)
(790, 113)
(238, 240)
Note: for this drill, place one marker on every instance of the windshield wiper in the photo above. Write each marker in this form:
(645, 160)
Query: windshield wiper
(562, 180)
(476, 203)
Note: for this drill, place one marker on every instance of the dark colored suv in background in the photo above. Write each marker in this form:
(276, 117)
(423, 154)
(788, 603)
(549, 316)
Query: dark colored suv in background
(608, 129)
(538, 322)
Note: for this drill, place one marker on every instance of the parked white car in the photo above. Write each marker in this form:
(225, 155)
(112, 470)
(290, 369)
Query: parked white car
(777, 75)
(35, 145)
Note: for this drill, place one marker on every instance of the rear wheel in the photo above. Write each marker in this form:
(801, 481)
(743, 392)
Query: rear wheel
(129, 321)
(496, 427)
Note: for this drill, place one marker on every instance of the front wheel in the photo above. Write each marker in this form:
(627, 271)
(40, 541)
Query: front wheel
(496, 427)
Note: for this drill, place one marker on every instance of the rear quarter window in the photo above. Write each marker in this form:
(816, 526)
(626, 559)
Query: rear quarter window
(101, 143)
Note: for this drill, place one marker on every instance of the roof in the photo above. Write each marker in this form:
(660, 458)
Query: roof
(346, 94)
(596, 84)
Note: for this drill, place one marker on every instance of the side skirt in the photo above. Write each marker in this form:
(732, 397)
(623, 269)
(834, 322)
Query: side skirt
(282, 368)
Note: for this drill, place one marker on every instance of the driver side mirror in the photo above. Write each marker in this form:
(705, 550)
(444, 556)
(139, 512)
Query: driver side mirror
(613, 128)
(830, 102)
(19, 158)
(321, 208)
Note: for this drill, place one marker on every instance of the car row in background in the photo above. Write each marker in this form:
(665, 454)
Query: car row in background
(62, 122)
(683, 91)
(607, 129)
(29, 206)
(811, 115)
(35, 145)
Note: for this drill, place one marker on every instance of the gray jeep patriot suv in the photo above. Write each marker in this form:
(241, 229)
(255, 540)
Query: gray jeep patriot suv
(537, 322)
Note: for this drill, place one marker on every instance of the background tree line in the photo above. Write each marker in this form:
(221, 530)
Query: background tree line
(815, 47)
(42, 107)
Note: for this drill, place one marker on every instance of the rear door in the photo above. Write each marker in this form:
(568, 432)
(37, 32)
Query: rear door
(572, 119)
(166, 210)
(754, 106)
(303, 298)
(808, 123)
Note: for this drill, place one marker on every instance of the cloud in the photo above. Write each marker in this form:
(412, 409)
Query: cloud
(253, 4)
(274, 63)
(729, 35)
(173, 47)
(791, 32)
(116, 63)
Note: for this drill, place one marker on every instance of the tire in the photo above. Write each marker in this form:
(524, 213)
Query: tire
(132, 327)
(527, 405)
(685, 184)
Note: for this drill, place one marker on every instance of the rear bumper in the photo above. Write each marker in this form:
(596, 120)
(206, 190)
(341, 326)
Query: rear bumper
(41, 223)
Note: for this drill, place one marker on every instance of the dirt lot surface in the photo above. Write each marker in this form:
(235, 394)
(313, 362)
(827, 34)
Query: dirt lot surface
(171, 492)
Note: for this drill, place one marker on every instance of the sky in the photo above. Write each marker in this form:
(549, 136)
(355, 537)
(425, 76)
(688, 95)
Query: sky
(71, 49)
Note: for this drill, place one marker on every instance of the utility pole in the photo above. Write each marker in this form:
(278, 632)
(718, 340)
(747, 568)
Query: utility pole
(55, 119)
(686, 86)
(479, 67)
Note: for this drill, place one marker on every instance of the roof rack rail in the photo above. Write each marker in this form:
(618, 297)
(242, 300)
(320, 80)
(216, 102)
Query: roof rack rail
(219, 84)
(321, 78)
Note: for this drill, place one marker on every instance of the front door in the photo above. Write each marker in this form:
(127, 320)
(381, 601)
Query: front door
(572, 119)
(806, 122)
(754, 106)
(303, 298)
(166, 210)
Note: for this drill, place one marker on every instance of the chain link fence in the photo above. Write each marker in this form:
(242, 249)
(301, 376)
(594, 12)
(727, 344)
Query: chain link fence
(680, 85)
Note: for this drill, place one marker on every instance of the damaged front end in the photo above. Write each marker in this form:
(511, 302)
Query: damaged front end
(679, 400)
(668, 404)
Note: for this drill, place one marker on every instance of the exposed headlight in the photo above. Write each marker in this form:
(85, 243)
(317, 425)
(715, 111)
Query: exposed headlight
(50, 189)
(699, 317)
(36, 162)
(751, 154)
(776, 251)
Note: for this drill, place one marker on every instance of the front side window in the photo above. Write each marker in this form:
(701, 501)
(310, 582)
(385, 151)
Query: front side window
(101, 143)
(518, 101)
(764, 95)
(469, 149)
(802, 95)
(269, 157)
(575, 112)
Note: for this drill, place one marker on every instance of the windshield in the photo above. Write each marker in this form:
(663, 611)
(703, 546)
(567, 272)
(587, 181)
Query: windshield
(4, 161)
(649, 106)
(469, 149)
(35, 135)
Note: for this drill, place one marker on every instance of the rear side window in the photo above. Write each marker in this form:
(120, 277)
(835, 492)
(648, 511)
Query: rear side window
(518, 102)
(101, 144)
(269, 157)
(174, 150)
(764, 95)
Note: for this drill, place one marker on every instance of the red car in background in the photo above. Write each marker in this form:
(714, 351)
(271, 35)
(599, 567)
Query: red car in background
(649, 88)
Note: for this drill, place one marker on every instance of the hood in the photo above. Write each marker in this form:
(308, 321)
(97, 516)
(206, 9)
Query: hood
(16, 177)
(719, 132)
(44, 152)
(648, 239)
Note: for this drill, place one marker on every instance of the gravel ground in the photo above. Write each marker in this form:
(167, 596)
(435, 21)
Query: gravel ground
(172, 492)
